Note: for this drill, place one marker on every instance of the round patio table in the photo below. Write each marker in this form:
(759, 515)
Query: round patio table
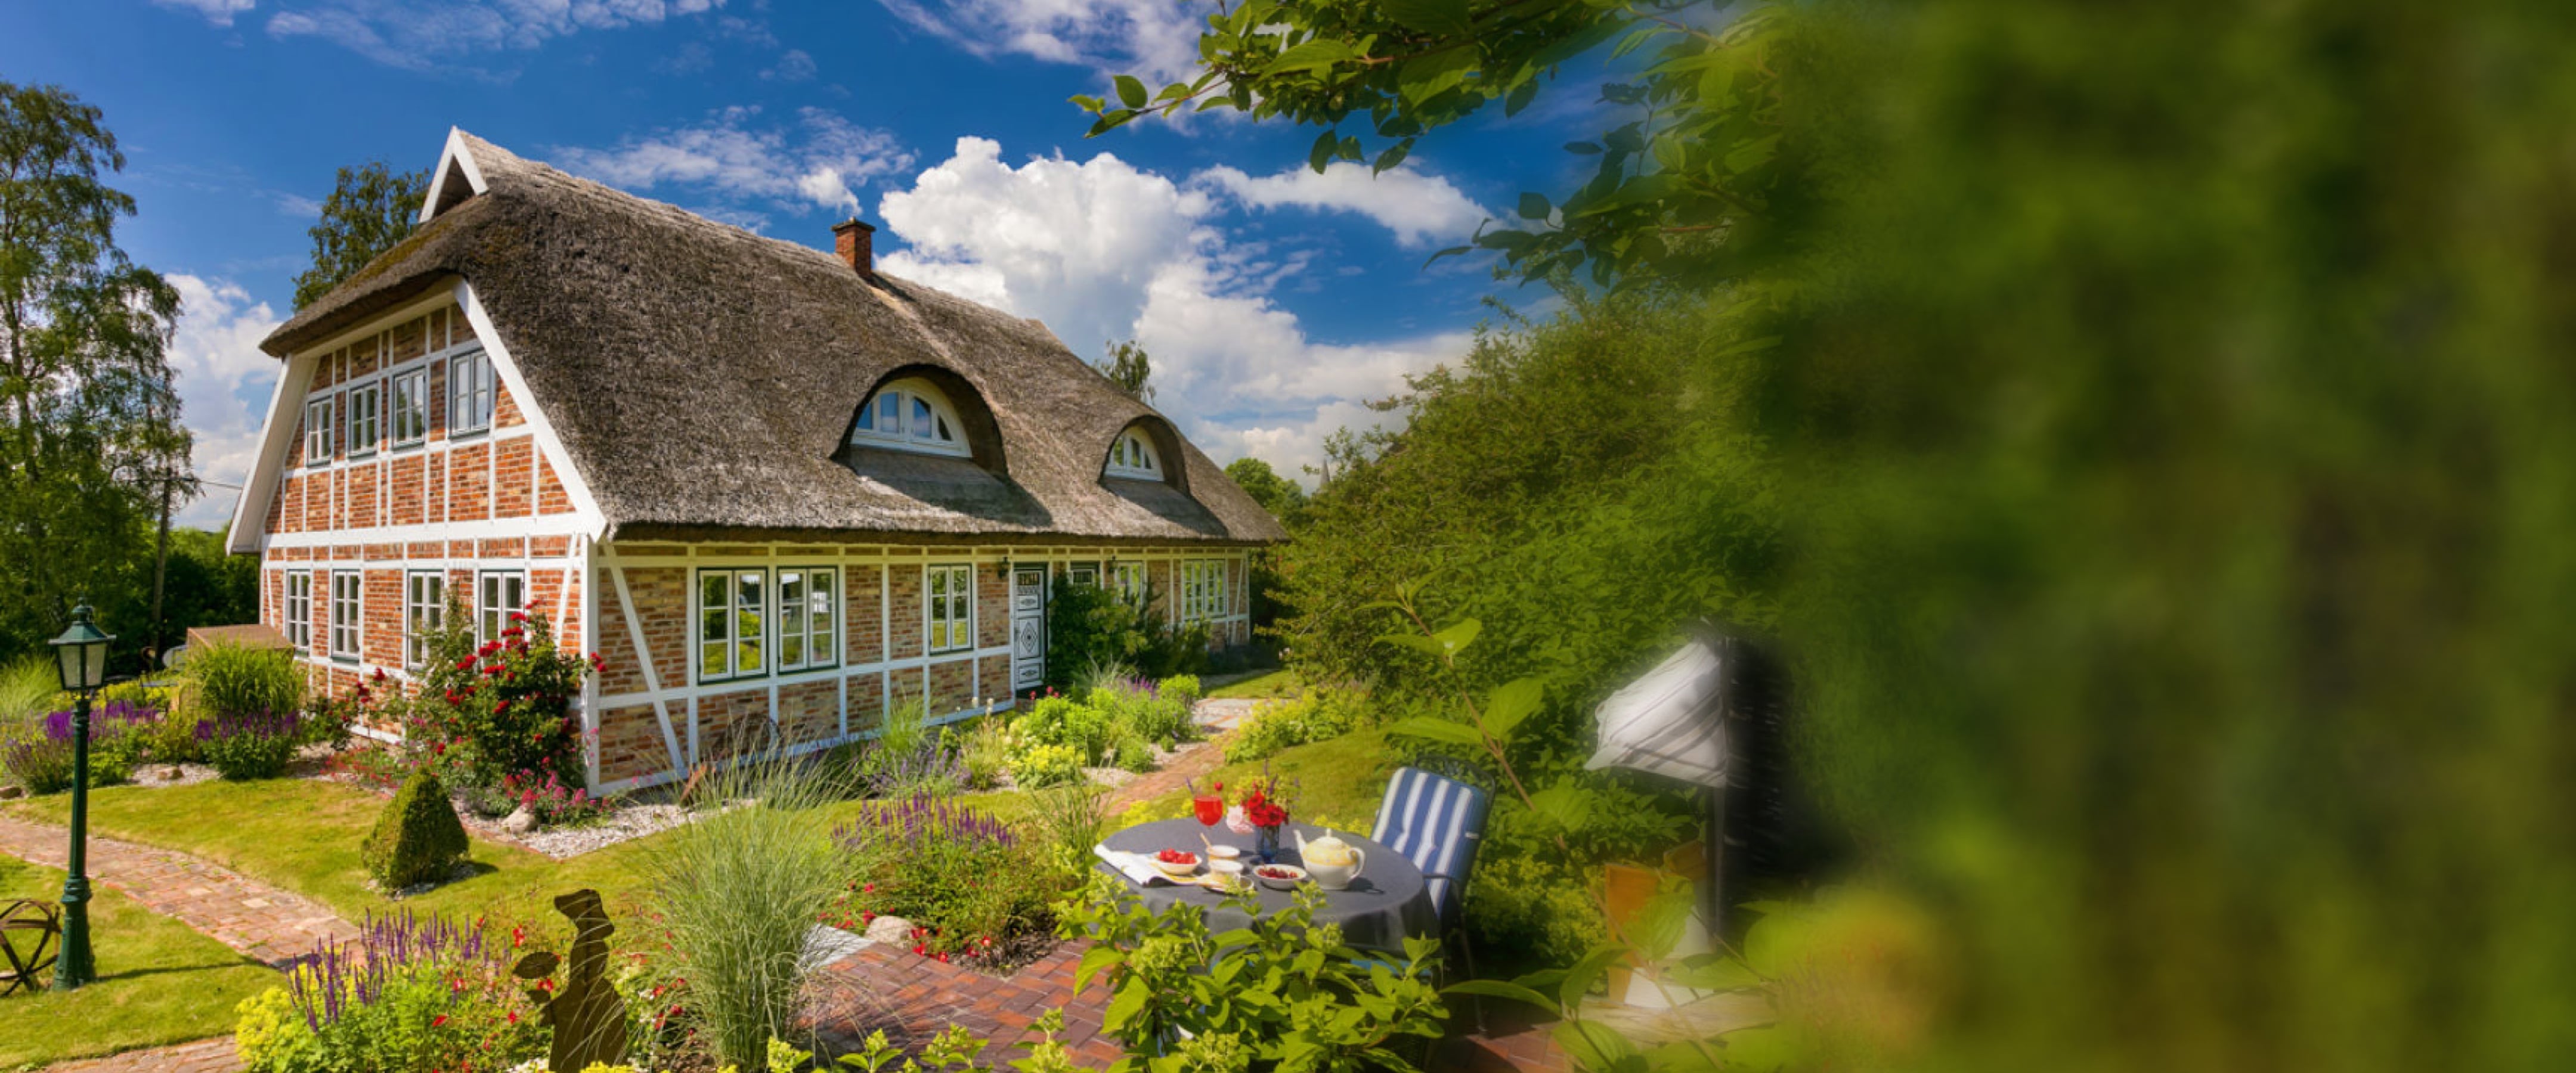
(1385, 903)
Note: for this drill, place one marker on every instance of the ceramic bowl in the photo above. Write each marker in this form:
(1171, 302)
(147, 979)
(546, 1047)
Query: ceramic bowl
(1225, 853)
(1176, 868)
(1295, 876)
(1226, 867)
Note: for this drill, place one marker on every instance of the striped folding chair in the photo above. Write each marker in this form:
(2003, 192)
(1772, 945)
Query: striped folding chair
(1436, 822)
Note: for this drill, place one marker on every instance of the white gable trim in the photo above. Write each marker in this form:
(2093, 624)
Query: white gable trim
(594, 523)
(453, 157)
(250, 510)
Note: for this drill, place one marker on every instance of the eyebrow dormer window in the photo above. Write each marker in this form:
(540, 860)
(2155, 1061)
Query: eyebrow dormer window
(910, 415)
(1133, 456)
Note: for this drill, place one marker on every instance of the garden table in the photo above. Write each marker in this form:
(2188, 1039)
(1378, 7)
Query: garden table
(1387, 901)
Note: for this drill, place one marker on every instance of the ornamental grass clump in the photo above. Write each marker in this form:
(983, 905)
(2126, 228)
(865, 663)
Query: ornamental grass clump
(738, 893)
(255, 745)
(409, 993)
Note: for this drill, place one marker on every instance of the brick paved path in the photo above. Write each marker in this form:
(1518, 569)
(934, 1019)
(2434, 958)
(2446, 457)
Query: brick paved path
(913, 998)
(243, 913)
(1221, 716)
(204, 1056)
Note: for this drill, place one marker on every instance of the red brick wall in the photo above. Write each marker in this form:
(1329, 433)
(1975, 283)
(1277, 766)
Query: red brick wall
(864, 621)
(952, 686)
(730, 722)
(867, 701)
(905, 626)
(810, 711)
(630, 744)
(992, 606)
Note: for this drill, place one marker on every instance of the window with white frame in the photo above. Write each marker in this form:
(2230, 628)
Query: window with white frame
(1203, 590)
(910, 415)
(344, 614)
(411, 408)
(949, 593)
(808, 618)
(366, 408)
(469, 392)
(733, 626)
(424, 614)
(1133, 456)
(1129, 580)
(497, 593)
(299, 610)
(317, 429)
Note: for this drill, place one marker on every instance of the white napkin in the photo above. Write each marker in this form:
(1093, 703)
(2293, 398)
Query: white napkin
(1135, 866)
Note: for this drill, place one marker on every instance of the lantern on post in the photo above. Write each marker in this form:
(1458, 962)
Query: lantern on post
(80, 658)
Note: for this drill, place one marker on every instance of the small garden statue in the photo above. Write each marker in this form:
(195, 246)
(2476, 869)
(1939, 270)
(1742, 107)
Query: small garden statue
(588, 1017)
(29, 936)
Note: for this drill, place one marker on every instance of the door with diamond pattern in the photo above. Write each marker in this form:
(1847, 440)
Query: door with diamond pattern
(1028, 627)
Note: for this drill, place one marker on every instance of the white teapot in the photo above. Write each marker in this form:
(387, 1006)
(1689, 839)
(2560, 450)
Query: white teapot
(1330, 862)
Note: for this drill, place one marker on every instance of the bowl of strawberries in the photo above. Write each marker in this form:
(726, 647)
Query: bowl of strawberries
(1176, 863)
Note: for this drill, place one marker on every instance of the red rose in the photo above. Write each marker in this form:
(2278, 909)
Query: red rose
(500, 706)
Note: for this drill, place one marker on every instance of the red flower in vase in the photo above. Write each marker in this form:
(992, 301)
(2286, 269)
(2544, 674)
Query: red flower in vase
(1263, 812)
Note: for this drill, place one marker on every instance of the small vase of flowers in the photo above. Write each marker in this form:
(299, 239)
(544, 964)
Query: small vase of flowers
(1267, 817)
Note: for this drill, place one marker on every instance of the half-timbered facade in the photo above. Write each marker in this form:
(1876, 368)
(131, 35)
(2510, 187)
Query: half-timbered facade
(776, 490)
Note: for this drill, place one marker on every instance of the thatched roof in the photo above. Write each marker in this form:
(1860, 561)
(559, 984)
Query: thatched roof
(703, 378)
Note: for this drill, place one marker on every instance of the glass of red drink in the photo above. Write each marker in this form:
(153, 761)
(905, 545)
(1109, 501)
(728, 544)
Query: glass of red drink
(1211, 808)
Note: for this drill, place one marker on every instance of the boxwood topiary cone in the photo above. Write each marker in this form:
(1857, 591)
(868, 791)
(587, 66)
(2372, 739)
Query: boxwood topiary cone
(418, 839)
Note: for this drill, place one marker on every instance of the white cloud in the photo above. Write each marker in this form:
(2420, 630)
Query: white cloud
(224, 383)
(218, 12)
(1419, 208)
(1102, 250)
(736, 157)
(415, 34)
(1153, 38)
(796, 65)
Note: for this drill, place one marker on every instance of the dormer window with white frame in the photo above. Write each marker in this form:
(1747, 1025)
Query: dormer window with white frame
(1133, 456)
(911, 415)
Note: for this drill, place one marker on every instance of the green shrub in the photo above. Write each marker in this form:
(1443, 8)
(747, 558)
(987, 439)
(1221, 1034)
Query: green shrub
(1080, 727)
(1317, 715)
(964, 878)
(1094, 630)
(227, 679)
(1183, 688)
(418, 838)
(1046, 765)
(1523, 905)
(257, 745)
(1132, 754)
(1315, 1003)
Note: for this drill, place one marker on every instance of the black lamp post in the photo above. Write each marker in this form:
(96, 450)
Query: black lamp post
(80, 654)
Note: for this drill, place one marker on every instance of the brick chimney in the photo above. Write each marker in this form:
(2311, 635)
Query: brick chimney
(856, 243)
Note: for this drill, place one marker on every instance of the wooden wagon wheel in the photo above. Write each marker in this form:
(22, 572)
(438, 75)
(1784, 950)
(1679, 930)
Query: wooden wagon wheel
(29, 935)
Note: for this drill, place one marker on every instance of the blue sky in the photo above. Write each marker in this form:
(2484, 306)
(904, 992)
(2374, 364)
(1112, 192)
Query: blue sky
(1275, 301)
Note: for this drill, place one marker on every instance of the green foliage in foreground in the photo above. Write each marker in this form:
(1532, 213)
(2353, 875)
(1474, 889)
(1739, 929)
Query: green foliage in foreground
(160, 982)
(2179, 400)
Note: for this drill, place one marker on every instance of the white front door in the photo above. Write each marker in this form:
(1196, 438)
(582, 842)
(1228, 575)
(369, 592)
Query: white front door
(1028, 627)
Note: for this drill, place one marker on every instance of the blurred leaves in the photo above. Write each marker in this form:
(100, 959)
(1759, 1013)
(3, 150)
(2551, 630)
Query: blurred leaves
(1681, 194)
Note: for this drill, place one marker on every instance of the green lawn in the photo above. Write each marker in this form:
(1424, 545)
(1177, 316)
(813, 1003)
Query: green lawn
(1261, 687)
(1338, 782)
(159, 982)
(303, 835)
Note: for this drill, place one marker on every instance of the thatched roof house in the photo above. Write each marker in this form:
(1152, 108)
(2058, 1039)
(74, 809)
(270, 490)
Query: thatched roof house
(703, 379)
(762, 480)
